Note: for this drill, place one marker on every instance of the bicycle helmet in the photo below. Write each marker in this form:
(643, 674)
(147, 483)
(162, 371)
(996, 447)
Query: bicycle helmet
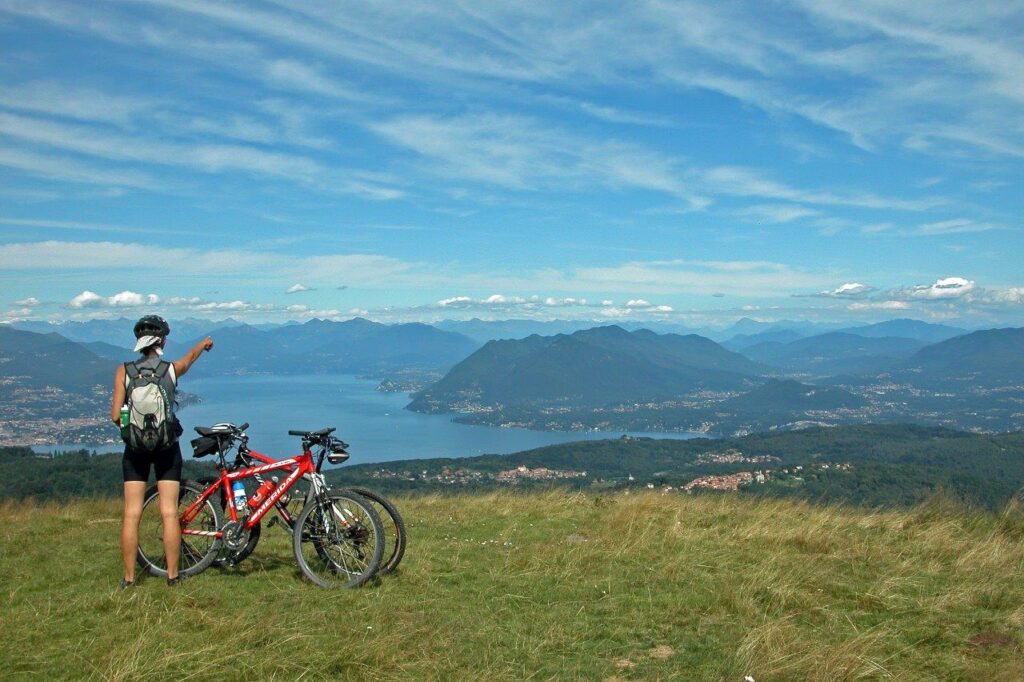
(151, 325)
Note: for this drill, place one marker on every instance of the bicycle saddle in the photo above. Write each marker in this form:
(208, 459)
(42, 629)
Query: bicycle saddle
(222, 429)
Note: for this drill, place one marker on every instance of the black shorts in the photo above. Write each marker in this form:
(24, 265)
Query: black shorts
(167, 463)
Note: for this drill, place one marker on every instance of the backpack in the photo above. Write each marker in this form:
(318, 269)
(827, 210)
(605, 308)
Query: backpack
(152, 425)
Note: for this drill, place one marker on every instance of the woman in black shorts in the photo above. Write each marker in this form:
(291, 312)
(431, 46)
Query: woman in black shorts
(151, 333)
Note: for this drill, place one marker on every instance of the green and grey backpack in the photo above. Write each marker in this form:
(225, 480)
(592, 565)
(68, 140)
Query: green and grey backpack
(152, 425)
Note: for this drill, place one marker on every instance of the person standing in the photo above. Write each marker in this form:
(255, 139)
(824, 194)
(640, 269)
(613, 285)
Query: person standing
(151, 438)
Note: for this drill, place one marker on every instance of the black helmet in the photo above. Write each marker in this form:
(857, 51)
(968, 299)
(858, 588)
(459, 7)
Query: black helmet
(151, 325)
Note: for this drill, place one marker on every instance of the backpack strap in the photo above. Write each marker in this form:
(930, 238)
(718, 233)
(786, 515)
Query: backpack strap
(161, 369)
(131, 370)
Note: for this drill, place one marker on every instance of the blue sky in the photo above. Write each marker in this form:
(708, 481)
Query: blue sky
(691, 162)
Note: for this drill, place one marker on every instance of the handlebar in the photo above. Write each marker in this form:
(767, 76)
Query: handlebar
(315, 435)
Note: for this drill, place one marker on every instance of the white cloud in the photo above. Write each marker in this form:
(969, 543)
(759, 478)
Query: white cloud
(947, 288)
(130, 299)
(955, 226)
(880, 305)
(203, 157)
(293, 75)
(749, 278)
(124, 299)
(296, 288)
(87, 299)
(848, 290)
(522, 153)
(778, 213)
(16, 314)
(28, 302)
(72, 101)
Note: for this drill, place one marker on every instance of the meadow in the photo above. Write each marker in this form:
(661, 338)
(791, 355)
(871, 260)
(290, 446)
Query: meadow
(542, 585)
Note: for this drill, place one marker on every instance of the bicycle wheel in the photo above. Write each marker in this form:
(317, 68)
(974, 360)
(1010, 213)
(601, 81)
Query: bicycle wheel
(227, 558)
(394, 529)
(338, 540)
(197, 551)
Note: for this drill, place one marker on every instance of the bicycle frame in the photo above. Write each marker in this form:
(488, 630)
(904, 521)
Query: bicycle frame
(299, 466)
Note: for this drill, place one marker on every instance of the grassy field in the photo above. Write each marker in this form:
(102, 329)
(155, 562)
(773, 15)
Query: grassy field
(542, 586)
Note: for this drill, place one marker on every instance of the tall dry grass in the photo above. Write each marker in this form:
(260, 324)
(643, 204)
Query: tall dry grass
(547, 585)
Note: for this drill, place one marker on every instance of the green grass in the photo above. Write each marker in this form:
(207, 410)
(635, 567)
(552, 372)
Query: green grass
(542, 586)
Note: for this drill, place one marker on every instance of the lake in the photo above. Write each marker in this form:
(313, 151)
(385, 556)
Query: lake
(375, 424)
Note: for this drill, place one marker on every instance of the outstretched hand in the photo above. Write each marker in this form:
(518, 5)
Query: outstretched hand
(207, 343)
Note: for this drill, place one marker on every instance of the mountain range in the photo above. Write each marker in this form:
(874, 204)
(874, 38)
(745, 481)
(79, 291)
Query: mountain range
(610, 378)
(603, 377)
(598, 366)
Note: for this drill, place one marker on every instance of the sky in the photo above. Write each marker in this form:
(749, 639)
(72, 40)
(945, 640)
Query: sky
(684, 162)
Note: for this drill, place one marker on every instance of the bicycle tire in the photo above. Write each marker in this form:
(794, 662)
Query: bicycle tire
(394, 529)
(345, 538)
(197, 552)
(227, 558)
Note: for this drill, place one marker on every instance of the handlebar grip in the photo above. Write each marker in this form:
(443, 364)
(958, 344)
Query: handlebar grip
(298, 433)
(244, 426)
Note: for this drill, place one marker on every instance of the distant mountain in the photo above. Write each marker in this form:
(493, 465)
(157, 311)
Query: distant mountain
(792, 396)
(598, 366)
(110, 352)
(483, 331)
(119, 331)
(385, 348)
(35, 361)
(741, 341)
(907, 329)
(356, 345)
(316, 334)
(746, 326)
(993, 357)
(237, 349)
(835, 353)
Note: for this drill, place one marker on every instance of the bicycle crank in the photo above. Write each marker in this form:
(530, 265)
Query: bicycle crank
(235, 535)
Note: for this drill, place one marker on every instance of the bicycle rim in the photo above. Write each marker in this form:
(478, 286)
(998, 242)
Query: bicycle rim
(197, 551)
(394, 529)
(338, 540)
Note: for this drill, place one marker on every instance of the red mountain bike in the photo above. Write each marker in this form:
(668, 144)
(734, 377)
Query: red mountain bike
(288, 507)
(337, 538)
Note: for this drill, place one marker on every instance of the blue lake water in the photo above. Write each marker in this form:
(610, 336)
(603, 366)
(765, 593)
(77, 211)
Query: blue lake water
(375, 424)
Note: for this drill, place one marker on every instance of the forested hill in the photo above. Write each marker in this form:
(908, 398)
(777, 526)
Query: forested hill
(991, 357)
(596, 366)
(865, 465)
(35, 361)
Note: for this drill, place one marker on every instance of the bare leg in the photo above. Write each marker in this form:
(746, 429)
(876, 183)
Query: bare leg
(172, 527)
(134, 491)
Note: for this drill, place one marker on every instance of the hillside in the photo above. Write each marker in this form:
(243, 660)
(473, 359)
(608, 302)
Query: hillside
(598, 366)
(792, 396)
(543, 586)
(896, 464)
(40, 360)
(992, 357)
